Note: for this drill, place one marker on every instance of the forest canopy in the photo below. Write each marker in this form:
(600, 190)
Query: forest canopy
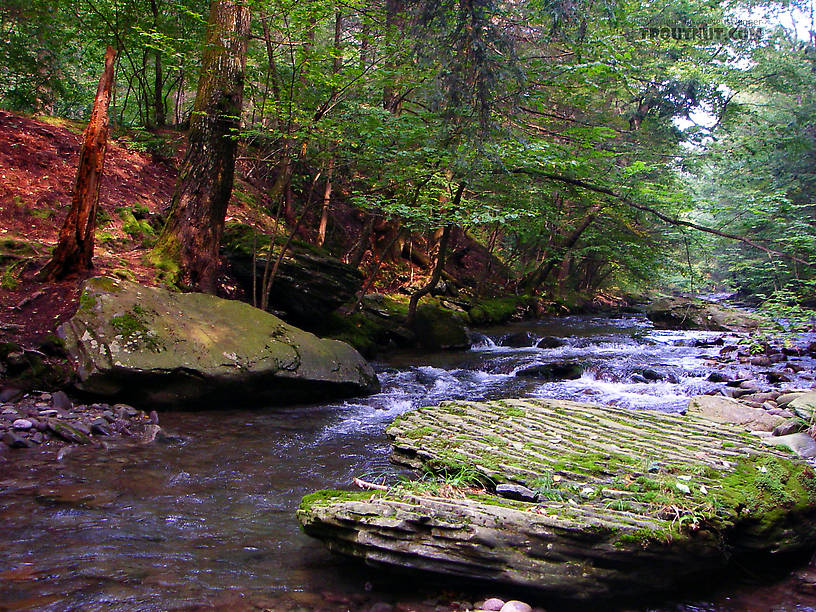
(586, 145)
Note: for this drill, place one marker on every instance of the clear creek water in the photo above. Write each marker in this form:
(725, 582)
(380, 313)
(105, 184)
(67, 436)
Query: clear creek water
(209, 523)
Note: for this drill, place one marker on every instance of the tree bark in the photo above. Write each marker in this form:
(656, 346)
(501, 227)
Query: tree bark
(324, 211)
(74, 251)
(188, 246)
(439, 266)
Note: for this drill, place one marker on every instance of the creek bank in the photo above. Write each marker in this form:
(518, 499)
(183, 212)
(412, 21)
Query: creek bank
(628, 502)
(157, 347)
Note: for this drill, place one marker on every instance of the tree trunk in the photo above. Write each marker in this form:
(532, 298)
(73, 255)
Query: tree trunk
(435, 276)
(74, 251)
(188, 245)
(159, 109)
(355, 258)
(534, 281)
(439, 266)
(324, 213)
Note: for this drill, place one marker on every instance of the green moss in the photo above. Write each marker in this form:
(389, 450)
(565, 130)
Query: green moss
(330, 495)
(514, 411)
(419, 432)
(494, 311)
(134, 331)
(165, 256)
(137, 228)
(765, 484)
(87, 300)
(10, 278)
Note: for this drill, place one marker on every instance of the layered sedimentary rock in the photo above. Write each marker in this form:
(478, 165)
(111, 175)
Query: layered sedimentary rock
(622, 501)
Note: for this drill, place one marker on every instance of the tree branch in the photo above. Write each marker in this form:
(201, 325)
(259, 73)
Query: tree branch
(662, 216)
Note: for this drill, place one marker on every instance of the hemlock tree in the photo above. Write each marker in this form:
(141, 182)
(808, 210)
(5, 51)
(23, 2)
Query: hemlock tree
(188, 246)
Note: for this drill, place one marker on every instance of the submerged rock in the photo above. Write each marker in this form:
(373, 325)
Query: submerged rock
(556, 370)
(153, 345)
(630, 501)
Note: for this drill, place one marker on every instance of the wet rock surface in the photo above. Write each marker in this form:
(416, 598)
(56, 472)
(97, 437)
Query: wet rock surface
(629, 505)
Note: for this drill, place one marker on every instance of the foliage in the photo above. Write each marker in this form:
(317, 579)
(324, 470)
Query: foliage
(560, 120)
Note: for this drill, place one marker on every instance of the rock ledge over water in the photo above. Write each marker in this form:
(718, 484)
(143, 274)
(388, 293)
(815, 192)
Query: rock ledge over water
(625, 501)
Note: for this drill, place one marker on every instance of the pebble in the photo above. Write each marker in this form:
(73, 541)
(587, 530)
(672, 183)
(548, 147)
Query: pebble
(494, 604)
(516, 606)
(23, 424)
(48, 412)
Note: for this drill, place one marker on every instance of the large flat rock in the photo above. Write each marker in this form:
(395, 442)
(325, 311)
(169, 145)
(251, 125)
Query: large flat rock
(153, 345)
(626, 501)
(726, 410)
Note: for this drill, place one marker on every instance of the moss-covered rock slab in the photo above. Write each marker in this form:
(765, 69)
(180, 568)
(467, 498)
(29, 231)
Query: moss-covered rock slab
(152, 345)
(627, 501)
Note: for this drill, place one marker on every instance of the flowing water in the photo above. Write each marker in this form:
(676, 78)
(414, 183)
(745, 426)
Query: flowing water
(210, 522)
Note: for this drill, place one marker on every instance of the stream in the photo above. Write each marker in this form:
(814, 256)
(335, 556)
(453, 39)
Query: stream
(209, 523)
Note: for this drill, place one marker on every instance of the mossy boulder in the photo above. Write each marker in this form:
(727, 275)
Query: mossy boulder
(804, 405)
(309, 283)
(152, 345)
(628, 501)
(382, 323)
(494, 311)
(440, 329)
(692, 313)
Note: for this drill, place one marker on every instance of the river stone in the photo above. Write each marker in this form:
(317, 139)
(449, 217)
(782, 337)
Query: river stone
(516, 491)
(787, 398)
(439, 329)
(800, 443)
(22, 424)
(494, 604)
(789, 426)
(156, 346)
(515, 605)
(68, 433)
(556, 370)
(804, 405)
(715, 494)
(726, 410)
